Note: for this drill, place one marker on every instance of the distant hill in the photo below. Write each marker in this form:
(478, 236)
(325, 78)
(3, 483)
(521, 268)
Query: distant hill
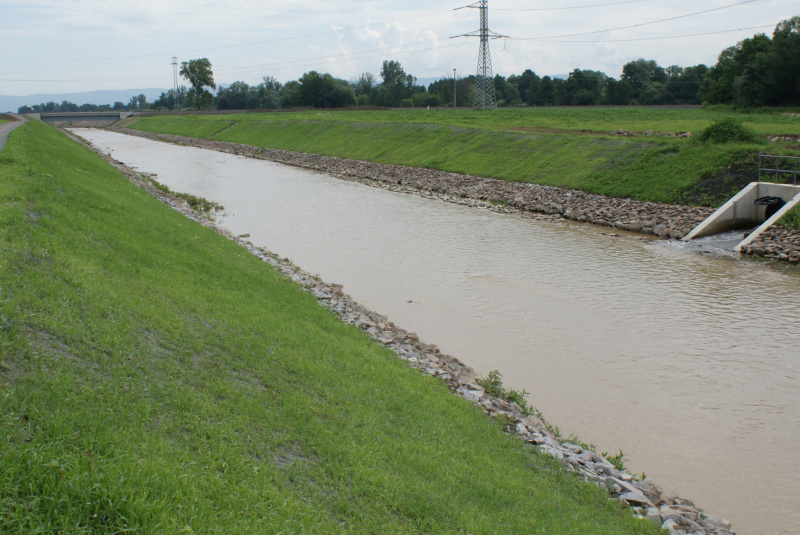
(13, 103)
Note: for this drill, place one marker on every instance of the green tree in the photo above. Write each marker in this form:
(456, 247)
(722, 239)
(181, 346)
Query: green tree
(200, 76)
(525, 83)
(640, 72)
(616, 93)
(268, 93)
(443, 88)
(364, 84)
(653, 93)
(583, 87)
(397, 85)
(542, 93)
(685, 84)
(785, 62)
(718, 87)
(236, 96)
(317, 90)
(507, 93)
(168, 101)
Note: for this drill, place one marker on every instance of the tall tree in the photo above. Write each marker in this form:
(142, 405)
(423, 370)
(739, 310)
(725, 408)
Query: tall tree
(785, 60)
(319, 91)
(525, 83)
(268, 93)
(583, 87)
(641, 72)
(237, 96)
(200, 76)
(542, 93)
(364, 84)
(684, 84)
(718, 87)
(397, 85)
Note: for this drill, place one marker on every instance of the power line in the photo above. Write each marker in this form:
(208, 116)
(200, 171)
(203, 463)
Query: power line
(570, 7)
(635, 25)
(666, 37)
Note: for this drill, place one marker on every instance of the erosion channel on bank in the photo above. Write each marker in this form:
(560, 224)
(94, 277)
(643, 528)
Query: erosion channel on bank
(621, 340)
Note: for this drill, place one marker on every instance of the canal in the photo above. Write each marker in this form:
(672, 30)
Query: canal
(688, 363)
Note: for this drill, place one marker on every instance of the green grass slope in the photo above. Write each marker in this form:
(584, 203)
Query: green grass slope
(543, 146)
(157, 378)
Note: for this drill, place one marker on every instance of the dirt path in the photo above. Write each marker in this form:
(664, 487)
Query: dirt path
(6, 128)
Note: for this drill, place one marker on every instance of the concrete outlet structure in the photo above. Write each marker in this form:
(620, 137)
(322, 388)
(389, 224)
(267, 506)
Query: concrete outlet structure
(741, 213)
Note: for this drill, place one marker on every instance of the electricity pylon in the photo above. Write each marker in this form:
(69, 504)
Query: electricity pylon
(485, 96)
(175, 85)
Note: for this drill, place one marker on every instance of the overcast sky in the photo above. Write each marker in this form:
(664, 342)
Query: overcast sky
(59, 46)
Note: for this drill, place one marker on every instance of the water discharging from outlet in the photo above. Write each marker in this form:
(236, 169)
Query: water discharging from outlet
(723, 243)
(688, 363)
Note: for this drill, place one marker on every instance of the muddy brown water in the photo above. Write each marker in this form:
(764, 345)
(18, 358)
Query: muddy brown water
(688, 363)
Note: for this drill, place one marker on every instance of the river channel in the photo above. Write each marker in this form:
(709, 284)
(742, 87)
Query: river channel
(688, 363)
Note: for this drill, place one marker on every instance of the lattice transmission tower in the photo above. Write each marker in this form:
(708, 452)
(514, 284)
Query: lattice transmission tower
(485, 96)
(175, 85)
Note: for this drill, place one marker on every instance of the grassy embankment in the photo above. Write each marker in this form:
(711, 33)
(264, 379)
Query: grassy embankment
(568, 148)
(792, 218)
(154, 376)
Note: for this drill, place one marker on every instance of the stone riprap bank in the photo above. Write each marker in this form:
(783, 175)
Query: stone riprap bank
(661, 220)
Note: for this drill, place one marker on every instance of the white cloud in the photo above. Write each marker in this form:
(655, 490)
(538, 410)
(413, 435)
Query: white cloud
(247, 39)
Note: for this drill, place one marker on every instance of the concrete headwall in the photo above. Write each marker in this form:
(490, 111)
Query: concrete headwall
(740, 212)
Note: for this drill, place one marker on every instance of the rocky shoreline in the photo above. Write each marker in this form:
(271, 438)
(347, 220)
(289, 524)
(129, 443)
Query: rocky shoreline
(647, 501)
(657, 219)
(776, 243)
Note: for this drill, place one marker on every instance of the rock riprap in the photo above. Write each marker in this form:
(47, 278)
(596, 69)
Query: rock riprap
(778, 243)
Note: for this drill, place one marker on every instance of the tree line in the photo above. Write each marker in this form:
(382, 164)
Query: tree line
(759, 71)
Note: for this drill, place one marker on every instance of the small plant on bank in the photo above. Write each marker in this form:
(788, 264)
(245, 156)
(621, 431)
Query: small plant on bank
(575, 439)
(617, 460)
(728, 131)
(198, 204)
(493, 384)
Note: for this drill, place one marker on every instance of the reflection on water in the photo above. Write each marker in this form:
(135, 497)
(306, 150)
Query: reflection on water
(688, 363)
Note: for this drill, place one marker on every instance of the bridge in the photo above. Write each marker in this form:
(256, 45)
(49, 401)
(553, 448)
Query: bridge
(80, 117)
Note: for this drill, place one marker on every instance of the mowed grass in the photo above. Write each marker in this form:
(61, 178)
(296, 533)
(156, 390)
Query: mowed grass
(157, 378)
(543, 146)
(575, 119)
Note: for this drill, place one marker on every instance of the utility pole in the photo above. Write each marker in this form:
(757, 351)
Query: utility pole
(175, 86)
(454, 89)
(485, 96)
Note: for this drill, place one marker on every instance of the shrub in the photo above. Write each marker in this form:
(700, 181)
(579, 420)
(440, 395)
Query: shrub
(728, 131)
(406, 103)
(494, 387)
